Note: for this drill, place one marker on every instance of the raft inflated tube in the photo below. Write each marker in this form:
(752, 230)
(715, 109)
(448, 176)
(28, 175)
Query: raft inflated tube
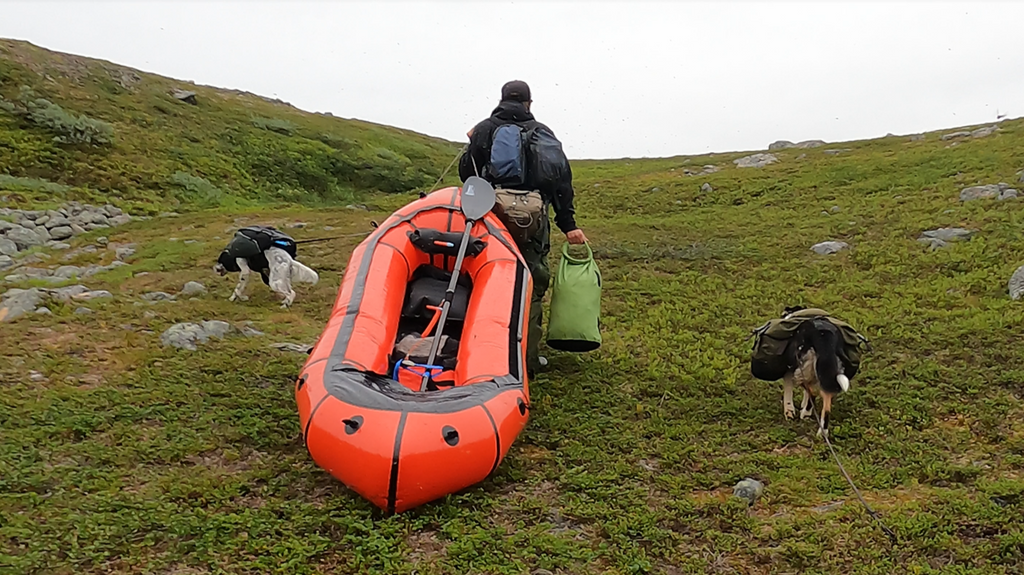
(397, 447)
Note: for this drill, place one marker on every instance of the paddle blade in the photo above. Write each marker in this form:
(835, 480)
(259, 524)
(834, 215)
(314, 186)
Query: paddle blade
(477, 198)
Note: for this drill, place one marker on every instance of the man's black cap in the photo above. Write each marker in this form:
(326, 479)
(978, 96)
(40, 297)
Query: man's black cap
(516, 90)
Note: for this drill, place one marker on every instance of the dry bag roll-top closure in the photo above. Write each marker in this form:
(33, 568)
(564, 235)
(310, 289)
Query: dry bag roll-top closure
(768, 360)
(526, 165)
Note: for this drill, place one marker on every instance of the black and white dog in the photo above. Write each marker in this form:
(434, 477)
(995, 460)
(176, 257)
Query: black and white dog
(265, 250)
(813, 359)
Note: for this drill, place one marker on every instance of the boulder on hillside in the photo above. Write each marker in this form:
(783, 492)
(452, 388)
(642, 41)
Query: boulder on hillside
(187, 335)
(828, 248)
(755, 161)
(185, 96)
(1000, 191)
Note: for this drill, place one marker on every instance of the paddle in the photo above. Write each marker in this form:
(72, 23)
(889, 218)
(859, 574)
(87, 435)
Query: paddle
(476, 200)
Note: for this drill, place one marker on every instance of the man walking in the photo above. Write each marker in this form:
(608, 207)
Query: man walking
(524, 161)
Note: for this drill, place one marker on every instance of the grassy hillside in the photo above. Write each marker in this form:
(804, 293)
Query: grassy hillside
(139, 143)
(118, 455)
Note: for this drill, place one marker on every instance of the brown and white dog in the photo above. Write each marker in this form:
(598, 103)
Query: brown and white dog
(813, 359)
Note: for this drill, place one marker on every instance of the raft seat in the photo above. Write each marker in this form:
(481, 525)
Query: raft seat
(420, 312)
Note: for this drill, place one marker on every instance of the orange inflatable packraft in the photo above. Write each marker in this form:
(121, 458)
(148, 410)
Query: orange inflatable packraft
(363, 416)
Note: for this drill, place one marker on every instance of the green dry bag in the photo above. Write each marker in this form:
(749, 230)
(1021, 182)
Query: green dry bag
(575, 323)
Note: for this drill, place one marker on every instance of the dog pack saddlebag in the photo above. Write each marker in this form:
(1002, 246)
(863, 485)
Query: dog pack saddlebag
(768, 360)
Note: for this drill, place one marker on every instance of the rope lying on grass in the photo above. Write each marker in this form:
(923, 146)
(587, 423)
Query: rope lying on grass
(874, 515)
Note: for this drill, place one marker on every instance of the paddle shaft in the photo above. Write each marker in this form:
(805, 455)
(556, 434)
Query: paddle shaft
(449, 295)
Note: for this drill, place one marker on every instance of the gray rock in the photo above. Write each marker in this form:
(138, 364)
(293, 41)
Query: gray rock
(1021, 179)
(1016, 285)
(69, 271)
(217, 328)
(948, 234)
(297, 225)
(6, 262)
(32, 214)
(42, 221)
(836, 209)
(326, 229)
(980, 192)
(6, 225)
(58, 245)
(124, 252)
(24, 238)
(65, 294)
(56, 219)
(187, 335)
(984, 131)
(784, 144)
(62, 233)
(710, 169)
(94, 294)
(120, 220)
(706, 188)
(82, 311)
(185, 96)
(824, 213)
(27, 224)
(8, 247)
(1007, 194)
(36, 377)
(43, 311)
(102, 241)
(157, 296)
(34, 272)
(916, 137)
(357, 207)
(43, 233)
(249, 331)
(295, 347)
(954, 135)
(748, 489)
(77, 229)
(827, 248)
(91, 227)
(835, 151)
(112, 211)
(755, 161)
(192, 288)
(20, 303)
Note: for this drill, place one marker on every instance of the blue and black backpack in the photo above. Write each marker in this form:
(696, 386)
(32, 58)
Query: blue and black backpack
(526, 157)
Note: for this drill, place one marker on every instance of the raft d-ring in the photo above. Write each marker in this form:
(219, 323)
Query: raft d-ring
(523, 407)
(302, 381)
(451, 437)
(353, 424)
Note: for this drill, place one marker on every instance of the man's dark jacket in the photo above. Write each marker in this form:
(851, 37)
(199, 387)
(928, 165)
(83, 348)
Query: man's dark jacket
(509, 112)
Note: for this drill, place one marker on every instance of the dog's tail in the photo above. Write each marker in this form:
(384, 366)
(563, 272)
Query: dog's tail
(826, 341)
(303, 274)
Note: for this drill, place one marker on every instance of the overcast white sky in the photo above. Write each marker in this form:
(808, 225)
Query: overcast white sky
(611, 79)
